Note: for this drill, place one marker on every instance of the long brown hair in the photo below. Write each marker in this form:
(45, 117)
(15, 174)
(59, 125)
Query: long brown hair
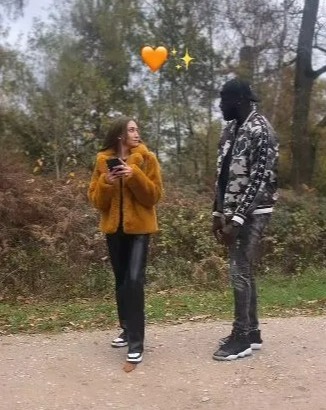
(117, 130)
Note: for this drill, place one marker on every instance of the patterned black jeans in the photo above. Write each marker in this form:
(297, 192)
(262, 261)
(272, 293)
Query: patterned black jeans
(242, 256)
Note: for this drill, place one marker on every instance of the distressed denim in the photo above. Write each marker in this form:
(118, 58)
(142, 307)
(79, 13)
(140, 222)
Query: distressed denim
(242, 257)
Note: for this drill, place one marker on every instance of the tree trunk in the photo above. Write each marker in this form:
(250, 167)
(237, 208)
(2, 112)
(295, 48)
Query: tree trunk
(191, 133)
(158, 122)
(246, 64)
(302, 145)
(176, 124)
(281, 52)
(210, 99)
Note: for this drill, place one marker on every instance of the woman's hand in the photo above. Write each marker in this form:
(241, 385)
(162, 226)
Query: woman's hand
(112, 176)
(123, 170)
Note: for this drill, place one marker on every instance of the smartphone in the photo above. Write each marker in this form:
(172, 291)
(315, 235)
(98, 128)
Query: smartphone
(113, 162)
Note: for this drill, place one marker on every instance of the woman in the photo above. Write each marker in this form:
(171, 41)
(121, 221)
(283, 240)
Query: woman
(126, 196)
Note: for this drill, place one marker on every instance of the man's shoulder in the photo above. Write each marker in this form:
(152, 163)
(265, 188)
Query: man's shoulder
(257, 120)
(259, 123)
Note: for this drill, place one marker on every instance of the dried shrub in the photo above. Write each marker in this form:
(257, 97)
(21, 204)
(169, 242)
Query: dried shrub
(44, 222)
(296, 238)
(50, 244)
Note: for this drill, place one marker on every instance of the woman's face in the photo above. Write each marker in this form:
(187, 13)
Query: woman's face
(132, 140)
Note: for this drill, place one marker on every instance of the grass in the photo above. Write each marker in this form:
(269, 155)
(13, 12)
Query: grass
(279, 296)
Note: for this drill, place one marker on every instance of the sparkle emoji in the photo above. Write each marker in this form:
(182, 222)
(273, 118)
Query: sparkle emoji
(174, 52)
(186, 58)
(154, 58)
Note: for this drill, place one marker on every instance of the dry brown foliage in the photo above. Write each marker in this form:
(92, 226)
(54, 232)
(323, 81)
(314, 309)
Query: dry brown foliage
(51, 217)
(55, 214)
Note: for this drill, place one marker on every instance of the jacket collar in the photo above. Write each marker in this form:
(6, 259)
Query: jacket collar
(234, 122)
(141, 149)
(252, 112)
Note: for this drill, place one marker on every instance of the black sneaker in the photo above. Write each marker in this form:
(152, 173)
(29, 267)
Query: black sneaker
(120, 341)
(254, 338)
(237, 346)
(226, 339)
(134, 357)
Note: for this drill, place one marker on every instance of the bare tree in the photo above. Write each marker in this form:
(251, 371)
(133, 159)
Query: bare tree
(303, 145)
(282, 51)
(13, 8)
(256, 26)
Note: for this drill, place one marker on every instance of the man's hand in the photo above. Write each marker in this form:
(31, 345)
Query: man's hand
(218, 224)
(230, 232)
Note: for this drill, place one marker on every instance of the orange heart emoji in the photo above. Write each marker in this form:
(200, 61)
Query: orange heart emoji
(154, 58)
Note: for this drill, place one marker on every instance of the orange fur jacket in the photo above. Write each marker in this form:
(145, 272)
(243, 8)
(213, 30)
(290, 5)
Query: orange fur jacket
(141, 191)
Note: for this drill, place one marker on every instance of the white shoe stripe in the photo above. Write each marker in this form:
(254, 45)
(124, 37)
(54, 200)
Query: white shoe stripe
(256, 346)
(134, 357)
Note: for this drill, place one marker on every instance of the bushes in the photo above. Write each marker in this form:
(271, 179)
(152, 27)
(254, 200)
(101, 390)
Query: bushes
(48, 235)
(296, 237)
(50, 244)
(294, 240)
(185, 245)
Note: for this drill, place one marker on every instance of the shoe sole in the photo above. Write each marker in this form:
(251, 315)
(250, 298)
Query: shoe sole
(246, 352)
(120, 344)
(256, 346)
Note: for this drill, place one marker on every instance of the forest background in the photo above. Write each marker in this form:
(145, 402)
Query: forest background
(82, 67)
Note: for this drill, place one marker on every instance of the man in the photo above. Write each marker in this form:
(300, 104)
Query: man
(245, 194)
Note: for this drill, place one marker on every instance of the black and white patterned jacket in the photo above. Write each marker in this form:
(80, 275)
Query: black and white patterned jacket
(252, 180)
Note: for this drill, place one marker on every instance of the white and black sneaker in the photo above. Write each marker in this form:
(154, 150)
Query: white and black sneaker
(120, 341)
(226, 339)
(236, 347)
(255, 339)
(134, 357)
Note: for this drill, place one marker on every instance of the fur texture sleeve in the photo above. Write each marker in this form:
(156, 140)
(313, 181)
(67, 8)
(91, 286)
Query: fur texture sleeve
(146, 182)
(100, 191)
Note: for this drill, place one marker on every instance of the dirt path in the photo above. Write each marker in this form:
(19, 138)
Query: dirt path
(79, 371)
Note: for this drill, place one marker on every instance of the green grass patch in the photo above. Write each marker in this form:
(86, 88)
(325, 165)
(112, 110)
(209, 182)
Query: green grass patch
(279, 296)
(305, 293)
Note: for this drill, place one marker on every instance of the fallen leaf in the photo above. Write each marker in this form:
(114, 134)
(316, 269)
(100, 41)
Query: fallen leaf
(129, 367)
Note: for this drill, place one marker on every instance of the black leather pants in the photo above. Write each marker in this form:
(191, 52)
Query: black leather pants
(128, 255)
